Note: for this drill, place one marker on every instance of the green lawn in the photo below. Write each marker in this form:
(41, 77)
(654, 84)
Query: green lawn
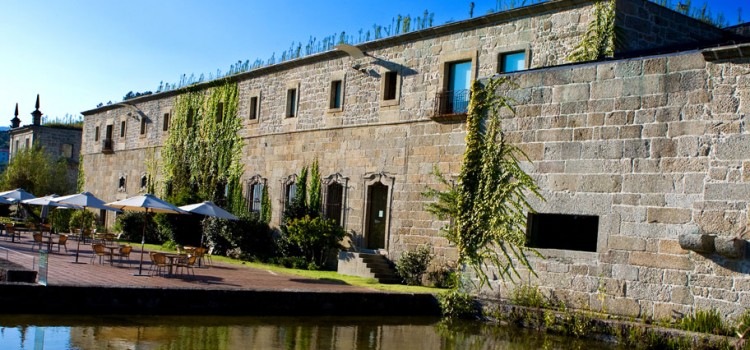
(321, 275)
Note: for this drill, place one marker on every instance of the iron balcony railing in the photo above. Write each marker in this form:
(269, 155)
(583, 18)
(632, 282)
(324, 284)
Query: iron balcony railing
(107, 146)
(452, 102)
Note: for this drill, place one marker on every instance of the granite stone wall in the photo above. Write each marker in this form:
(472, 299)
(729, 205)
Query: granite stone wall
(656, 147)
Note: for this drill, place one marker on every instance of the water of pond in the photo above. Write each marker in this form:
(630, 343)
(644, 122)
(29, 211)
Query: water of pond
(211, 332)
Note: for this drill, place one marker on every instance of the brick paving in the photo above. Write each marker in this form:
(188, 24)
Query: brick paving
(63, 271)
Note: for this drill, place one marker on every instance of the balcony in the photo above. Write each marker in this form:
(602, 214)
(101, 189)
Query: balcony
(107, 146)
(451, 104)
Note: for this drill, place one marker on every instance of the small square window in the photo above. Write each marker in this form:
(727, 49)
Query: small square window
(291, 103)
(336, 95)
(512, 61)
(96, 134)
(165, 125)
(390, 85)
(143, 126)
(562, 231)
(122, 129)
(67, 150)
(253, 108)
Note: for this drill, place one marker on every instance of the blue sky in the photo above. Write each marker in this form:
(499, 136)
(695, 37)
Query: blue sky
(78, 53)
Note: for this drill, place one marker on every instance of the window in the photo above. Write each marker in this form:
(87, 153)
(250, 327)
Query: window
(143, 126)
(254, 194)
(67, 150)
(108, 133)
(291, 103)
(256, 197)
(336, 98)
(96, 133)
(560, 231)
(253, 108)
(289, 192)
(144, 182)
(219, 112)
(15, 149)
(27, 143)
(122, 129)
(457, 71)
(512, 61)
(121, 184)
(165, 122)
(189, 119)
(334, 197)
(102, 217)
(389, 87)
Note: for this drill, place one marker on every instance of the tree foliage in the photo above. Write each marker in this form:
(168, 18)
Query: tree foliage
(36, 172)
(601, 37)
(487, 204)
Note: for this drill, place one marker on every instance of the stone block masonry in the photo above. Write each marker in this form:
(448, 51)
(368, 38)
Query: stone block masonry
(651, 147)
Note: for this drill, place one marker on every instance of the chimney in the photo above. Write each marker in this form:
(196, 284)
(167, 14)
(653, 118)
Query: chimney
(36, 114)
(15, 122)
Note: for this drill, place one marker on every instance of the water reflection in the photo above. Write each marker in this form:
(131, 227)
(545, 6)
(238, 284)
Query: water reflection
(204, 332)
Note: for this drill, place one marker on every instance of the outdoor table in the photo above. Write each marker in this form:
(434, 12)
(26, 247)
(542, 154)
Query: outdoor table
(172, 258)
(111, 252)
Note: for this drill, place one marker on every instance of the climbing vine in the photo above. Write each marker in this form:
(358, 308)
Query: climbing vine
(81, 180)
(487, 204)
(202, 155)
(601, 37)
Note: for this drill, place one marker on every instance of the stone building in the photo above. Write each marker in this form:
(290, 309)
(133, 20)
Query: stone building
(631, 153)
(58, 141)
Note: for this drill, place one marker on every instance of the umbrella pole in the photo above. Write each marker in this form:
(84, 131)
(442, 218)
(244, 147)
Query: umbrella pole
(143, 243)
(78, 248)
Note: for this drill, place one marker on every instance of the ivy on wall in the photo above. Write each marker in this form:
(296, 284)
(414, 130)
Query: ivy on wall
(202, 155)
(601, 36)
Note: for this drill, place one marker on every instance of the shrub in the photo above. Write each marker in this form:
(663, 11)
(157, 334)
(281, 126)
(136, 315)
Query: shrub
(87, 216)
(312, 238)
(413, 264)
(526, 295)
(247, 239)
(443, 277)
(704, 322)
(456, 304)
(131, 224)
(60, 219)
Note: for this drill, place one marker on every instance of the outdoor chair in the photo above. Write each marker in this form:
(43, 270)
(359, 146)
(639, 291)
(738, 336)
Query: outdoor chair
(11, 231)
(98, 251)
(38, 240)
(158, 261)
(187, 262)
(62, 241)
(124, 253)
(200, 254)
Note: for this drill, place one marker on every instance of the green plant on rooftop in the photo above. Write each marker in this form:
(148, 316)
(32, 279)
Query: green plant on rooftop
(487, 205)
(68, 121)
(702, 13)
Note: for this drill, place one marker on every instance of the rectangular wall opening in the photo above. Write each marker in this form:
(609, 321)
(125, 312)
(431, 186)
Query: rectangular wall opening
(562, 231)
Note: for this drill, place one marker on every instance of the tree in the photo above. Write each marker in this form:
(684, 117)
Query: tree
(487, 204)
(35, 171)
(314, 202)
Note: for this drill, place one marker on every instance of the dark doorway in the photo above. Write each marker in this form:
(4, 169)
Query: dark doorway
(560, 231)
(377, 211)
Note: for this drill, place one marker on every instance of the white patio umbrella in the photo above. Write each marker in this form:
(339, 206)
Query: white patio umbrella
(208, 208)
(83, 200)
(47, 202)
(19, 194)
(146, 203)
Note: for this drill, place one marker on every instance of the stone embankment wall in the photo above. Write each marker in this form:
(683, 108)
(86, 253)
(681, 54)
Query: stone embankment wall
(655, 147)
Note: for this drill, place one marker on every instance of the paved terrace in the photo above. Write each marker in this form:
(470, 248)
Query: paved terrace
(63, 271)
(222, 289)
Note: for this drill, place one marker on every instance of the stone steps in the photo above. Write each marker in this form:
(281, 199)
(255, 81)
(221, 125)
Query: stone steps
(370, 265)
